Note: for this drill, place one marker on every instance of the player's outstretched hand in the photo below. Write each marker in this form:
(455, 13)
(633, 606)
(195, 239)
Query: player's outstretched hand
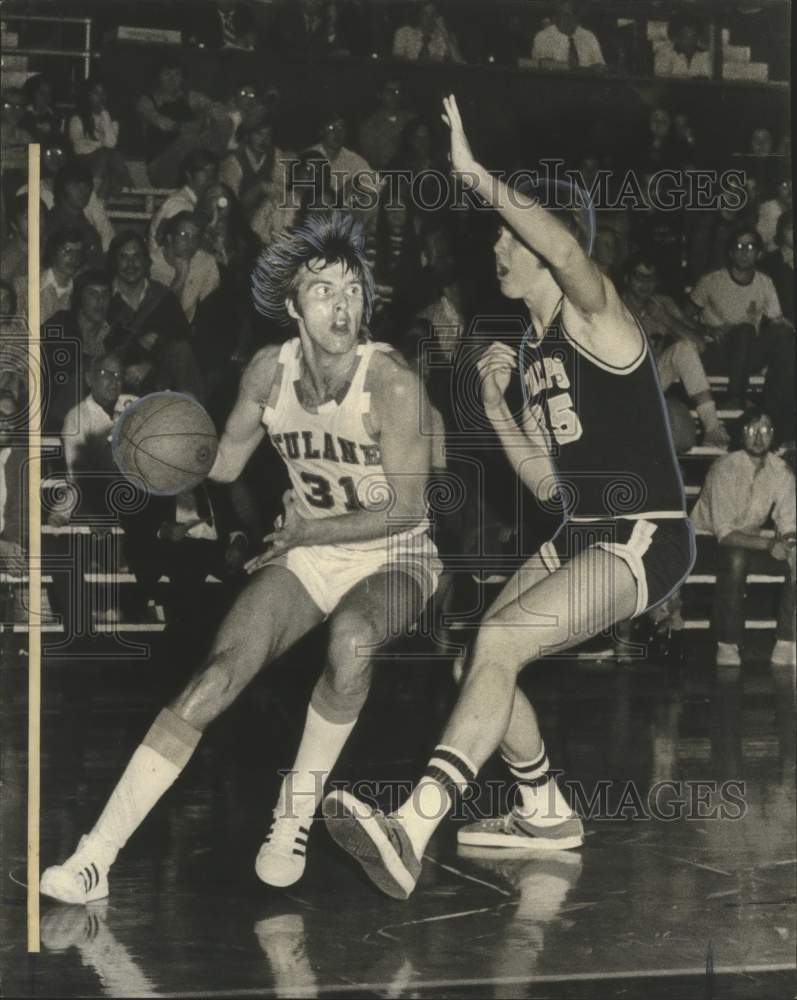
(462, 161)
(289, 531)
(495, 370)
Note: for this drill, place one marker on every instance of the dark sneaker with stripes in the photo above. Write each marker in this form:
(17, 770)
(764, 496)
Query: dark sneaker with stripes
(378, 842)
(83, 878)
(281, 860)
(514, 830)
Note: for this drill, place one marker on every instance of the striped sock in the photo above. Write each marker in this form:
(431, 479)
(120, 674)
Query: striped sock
(540, 797)
(447, 774)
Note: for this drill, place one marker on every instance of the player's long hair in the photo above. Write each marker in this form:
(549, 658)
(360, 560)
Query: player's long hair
(323, 238)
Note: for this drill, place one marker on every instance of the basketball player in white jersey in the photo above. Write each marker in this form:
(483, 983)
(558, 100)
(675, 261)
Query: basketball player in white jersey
(346, 416)
(595, 438)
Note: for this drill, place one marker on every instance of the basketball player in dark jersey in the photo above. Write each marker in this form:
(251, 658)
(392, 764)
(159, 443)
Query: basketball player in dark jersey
(595, 441)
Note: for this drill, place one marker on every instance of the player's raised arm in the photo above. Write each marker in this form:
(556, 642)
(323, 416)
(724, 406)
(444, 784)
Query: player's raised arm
(579, 278)
(244, 429)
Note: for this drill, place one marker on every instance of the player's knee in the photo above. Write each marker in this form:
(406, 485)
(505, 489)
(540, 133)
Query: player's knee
(351, 636)
(212, 690)
(735, 561)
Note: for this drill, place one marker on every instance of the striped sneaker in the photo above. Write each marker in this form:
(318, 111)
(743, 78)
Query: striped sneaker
(281, 859)
(83, 878)
(514, 830)
(378, 842)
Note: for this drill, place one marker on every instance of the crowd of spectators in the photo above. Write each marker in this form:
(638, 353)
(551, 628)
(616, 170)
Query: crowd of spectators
(167, 305)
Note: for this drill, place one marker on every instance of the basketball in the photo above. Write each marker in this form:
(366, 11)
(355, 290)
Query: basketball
(167, 441)
(682, 426)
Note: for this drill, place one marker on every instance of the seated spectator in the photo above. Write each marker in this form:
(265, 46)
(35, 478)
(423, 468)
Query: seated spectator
(444, 311)
(659, 149)
(779, 264)
(94, 136)
(429, 40)
(86, 435)
(13, 346)
(14, 138)
(40, 120)
(149, 325)
(565, 44)
(87, 317)
(14, 250)
(72, 189)
(63, 258)
(257, 173)
(771, 210)
(681, 54)
(180, 264)
(345, 165)
(380, 133)
(13, 459)
(676, 342)
(174, 119)
(736, 301)
(198, 169)
(741, 491)
(242, 107)
(312, 29)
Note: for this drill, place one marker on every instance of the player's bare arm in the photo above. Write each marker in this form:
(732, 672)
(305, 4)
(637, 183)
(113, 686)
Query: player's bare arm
(529, 452)
(398, 402)
(592, 310)
(244, 429)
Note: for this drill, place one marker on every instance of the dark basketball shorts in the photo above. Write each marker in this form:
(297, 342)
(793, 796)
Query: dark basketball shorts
(660, 552)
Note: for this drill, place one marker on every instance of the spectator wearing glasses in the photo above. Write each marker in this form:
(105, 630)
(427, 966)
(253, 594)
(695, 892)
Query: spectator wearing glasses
(565, 44)
(181, 265)
(63, 258)
(677, 343)
(430, 40)
(740, 304)
(742, 490)
(381, 132)
(198, 169)
(72, 189)
(345, 165)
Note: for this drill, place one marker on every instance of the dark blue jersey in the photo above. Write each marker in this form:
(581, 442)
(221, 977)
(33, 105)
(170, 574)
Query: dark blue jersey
(608, 429)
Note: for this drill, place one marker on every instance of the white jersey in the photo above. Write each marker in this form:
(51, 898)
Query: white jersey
(334, 463)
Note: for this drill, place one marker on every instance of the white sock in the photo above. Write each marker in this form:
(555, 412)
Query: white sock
(163, 754)
(540, 798)
(448, 773)
(321, 745)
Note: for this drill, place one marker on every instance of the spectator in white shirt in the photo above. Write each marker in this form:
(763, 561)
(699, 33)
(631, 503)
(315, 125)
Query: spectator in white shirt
(199, 168)
(353, 180)
(63, 258)
(741, 491)
(191, 273)
(94, 136)
(565, 44)
(428, 41)
(681, 54)
(741, 305)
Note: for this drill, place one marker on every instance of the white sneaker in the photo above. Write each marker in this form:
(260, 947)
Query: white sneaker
(784, 653)
(82, 878)
(281, 860)
(728, 655)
